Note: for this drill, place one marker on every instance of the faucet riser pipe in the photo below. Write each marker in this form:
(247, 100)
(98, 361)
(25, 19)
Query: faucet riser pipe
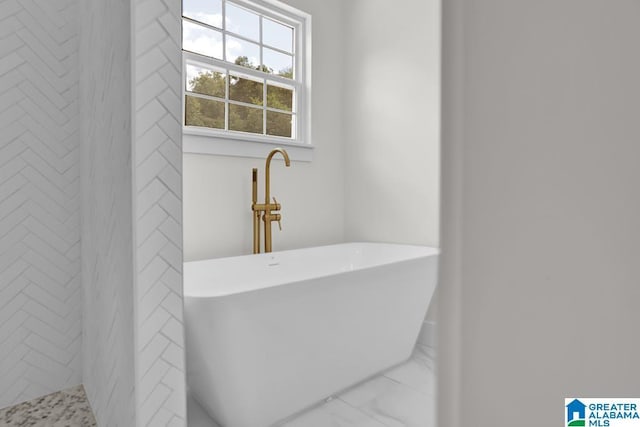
(256, 214)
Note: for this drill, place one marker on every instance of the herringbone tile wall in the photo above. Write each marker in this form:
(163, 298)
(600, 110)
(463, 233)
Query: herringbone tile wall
(160, 379)
(128, 202)
(40, 291)
(107, 212)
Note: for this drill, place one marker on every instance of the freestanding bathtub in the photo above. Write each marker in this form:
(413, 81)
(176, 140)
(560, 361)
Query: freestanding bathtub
(269, 335)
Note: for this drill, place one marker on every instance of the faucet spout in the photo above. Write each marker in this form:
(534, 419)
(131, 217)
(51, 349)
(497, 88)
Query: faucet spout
(267, 172)
(270, 209)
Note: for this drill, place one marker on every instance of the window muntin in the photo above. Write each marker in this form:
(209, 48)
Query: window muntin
(242, 71)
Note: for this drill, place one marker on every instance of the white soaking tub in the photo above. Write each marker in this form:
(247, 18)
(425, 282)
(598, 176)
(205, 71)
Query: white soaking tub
(269, 335)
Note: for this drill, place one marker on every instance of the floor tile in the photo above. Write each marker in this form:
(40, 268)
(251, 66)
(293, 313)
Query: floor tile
(400, 397)
(66, 408)
(392, 403)
(416, 375)
(334, 413)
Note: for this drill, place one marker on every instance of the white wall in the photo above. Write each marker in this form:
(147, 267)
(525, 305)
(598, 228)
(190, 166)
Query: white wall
(40, 291)
(217, 190)
(392, 132)
(107, 245)
(392, 126)
(541, 208)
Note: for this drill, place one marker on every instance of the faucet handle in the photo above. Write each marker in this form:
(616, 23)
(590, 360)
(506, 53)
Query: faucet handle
(277, 205)
(277, 217)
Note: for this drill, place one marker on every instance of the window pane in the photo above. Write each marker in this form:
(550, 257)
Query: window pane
(242, 22)
(245, 90)
(243, 53)
(202, 40)
(207, 11)
(206, 81)
(277, 35)
(245, 119)
(278, 63)
(203, 112)
(280, 98)
(279, 124)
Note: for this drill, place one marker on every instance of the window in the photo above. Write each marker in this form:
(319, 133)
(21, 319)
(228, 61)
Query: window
(245, 75)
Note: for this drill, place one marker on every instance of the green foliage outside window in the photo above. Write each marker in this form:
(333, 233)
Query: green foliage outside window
(211, 113)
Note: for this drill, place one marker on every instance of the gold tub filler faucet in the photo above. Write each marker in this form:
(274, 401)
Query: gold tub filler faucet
(268, 210)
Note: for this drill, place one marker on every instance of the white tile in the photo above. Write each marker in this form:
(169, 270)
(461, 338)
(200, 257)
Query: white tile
(155, 401)
(161, 418)
(148, 250)
(176, 422)
(151, 220)
(150, 274)
(176, 402)
(174, 355)
(152, 299)
(147, 356)
(152, 325)
(392, 403)
(416, 375)
(334, 413)
(150, 379)
(401, 397)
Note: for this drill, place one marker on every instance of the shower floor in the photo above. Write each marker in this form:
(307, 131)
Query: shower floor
(400, 397)
(66, 408)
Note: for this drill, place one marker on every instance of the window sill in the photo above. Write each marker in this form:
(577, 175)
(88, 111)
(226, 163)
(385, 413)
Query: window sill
(195, 141)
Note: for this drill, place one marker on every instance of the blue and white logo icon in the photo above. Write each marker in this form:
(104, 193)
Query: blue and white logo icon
(576, 413)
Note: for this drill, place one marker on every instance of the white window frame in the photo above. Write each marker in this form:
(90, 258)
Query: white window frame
(201, 140)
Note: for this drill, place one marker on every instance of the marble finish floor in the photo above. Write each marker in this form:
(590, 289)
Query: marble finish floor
(403, 396)
(66, 408)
